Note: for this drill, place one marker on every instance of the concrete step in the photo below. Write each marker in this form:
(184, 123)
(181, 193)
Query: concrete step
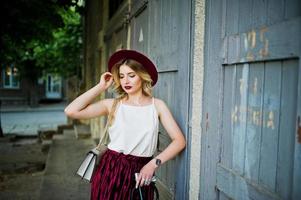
(60, 180)
(82, 131)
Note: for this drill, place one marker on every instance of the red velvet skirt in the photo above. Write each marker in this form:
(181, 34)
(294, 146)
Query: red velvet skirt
(114, 178)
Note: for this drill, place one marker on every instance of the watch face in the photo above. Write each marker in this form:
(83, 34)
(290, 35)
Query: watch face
(158, 162)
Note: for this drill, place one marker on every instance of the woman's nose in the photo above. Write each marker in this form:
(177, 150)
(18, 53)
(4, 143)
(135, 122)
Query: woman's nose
(126, 80)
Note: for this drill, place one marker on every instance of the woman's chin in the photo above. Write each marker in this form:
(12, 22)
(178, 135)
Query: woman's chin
(131, 92)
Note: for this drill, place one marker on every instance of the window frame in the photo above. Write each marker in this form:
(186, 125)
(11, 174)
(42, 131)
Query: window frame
(11, 76)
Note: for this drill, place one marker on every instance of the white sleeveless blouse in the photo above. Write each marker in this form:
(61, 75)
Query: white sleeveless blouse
(134, 130)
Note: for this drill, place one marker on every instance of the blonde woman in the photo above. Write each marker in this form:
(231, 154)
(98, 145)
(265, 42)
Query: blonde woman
(134, 130)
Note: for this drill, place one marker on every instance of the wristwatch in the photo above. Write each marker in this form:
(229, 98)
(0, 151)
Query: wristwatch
(158, 162)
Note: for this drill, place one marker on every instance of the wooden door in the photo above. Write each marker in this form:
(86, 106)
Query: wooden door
(251, 143)
(158, 30)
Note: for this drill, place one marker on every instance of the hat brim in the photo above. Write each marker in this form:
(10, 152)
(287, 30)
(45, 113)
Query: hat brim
(137, 56)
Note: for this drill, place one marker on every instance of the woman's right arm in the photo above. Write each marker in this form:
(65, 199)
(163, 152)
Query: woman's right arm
(83, 108)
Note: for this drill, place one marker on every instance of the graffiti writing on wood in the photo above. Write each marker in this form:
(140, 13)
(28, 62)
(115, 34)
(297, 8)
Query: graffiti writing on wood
(255, 45)
(254, 116)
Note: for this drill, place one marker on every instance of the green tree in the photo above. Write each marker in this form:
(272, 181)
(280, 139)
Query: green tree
(40, 35)
(61, 54)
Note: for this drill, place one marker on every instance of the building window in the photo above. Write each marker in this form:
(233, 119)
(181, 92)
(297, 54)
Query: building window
(11, 77)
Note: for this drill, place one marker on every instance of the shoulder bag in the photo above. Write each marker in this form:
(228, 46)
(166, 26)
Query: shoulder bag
(89, 164)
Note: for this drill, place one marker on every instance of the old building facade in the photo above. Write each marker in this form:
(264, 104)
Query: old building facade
(230, 73)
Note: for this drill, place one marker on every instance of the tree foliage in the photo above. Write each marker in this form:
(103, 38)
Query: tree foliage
(44, 35)
(62, 54)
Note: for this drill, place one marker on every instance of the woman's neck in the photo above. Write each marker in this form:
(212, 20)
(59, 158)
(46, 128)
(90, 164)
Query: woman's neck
(137, 99)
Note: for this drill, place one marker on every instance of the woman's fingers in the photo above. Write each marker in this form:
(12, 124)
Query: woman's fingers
(138, 179)
(106, 76)
(143, 179)
(147, 181)
(106, 79)
(142, 182)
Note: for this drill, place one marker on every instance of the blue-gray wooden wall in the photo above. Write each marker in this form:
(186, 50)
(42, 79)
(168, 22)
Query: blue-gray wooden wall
(250, 143)
(161, 29)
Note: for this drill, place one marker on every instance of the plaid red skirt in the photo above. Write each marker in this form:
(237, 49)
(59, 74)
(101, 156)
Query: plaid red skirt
(114, 178)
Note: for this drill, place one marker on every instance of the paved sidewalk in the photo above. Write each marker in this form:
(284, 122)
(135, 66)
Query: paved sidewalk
(33, 170)
(26, 121)
(59, 106)
(60, 181)
(22, 161)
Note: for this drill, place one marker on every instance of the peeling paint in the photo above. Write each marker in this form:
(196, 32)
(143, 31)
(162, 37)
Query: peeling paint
(255, 86)
(254, 116)
(255, 46)
(270, 122)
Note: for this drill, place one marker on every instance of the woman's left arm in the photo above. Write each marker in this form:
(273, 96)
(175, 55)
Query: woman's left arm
(177, 142)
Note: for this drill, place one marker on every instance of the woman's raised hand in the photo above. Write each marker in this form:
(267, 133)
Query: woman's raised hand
(106, 80)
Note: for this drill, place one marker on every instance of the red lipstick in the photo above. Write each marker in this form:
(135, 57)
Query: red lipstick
(127, 87)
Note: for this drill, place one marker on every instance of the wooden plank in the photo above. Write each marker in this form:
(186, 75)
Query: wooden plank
(239, 129)
(223, 196)
(163, 191)
(172, 66)
(172, 170)
(296, 193)
(175, 9)
(166, 172)
(292, 8)
(236, 186)
(183, 60)
(224, 20)
(278, 41)
(259, 10)
(232, 15)
(140, 32)
(254, 121)
(141, 40)
(169, 22)
(211, 121)
(154, 12)
(275, 12)
(166, 93)
(228, 107)
(270, 125)
(287, 128)
(244, 19)
(165, 25)
(232, 49)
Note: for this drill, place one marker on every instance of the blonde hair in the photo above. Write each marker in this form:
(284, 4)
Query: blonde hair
(139, 70)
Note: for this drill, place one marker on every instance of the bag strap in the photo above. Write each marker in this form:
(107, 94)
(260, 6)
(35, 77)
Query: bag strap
(133, 194)
(139, 190)
(104, 140)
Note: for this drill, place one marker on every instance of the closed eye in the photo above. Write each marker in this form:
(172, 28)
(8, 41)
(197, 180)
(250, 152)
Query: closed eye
(131, 75)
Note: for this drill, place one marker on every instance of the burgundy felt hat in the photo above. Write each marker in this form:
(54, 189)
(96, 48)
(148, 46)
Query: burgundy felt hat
(137, 56)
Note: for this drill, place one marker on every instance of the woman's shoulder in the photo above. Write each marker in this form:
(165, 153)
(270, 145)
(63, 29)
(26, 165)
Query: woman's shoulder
(109, 103)
(158, 101)
(159, 104)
